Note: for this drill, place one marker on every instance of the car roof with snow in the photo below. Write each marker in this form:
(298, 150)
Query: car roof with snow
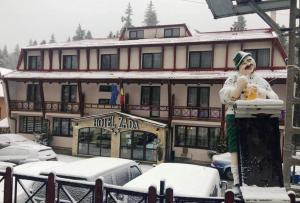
(35, 168)
(30, 147)
(185, 179)
(14, 137)
(86, 169)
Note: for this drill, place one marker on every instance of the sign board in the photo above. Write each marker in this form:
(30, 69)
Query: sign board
(113, 122)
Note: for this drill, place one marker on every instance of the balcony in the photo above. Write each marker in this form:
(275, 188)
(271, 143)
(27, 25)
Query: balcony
(62, 107)
(197, 113)
(17, 105)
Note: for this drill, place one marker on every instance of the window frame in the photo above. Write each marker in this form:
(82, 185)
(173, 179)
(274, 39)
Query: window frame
(35, 90)
(105, 88)
(200, 54)
(258, 56)
(152, 55)
(109, 67)
(139, 34)
(199, 95)
(151, 90)
(74, 62)
(172, 32)
(35, 121)
(60, 134)
(37, 62)
(107, 101)
(70, 93)
(195, 145)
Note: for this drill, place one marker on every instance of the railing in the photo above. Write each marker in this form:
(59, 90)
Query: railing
(54, 189)
(17, 105)
(101, 106)
(62, 107)
(199, 113)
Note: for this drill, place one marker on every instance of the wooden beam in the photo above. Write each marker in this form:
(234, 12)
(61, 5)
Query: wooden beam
(140, 57)
(226, 55)
(59, 58)
(128, 58)
(272, 53)
(21, 57)
(213, 56)
(174, 57)
(42, 98)
(8, 97)
(50, 59)
(162, 57)
(25, 60)
(42, 59)
(170, 103)
(81, 99)
(98, 59)
(118, 54)
(78, 59)
(187, 56)
(88, 58)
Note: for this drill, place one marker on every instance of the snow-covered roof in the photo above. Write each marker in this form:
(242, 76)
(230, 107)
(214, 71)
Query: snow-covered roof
(4, 123)
(185, 179)
(197, 38)
(264, 194)
(176, 75)
(89, 168)
(35, 168)
(3, 71)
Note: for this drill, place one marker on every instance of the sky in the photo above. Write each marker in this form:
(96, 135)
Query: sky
(22, 20)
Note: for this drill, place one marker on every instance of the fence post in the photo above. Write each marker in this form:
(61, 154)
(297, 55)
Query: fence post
(292, 196)
(99, 191)
(152, 194)
(229, 196)
(169, 195)
(162, 186)
(8, 183)
(50, 190)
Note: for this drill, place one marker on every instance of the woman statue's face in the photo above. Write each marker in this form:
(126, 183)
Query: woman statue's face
(248, 66)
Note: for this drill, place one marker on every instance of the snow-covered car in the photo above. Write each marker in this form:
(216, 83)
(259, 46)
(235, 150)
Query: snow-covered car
(222, 163)
(186, 180)
(13, 139)
(114, 171)
(19, 154)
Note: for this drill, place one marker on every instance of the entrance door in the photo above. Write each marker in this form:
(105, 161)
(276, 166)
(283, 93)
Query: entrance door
(138, 145)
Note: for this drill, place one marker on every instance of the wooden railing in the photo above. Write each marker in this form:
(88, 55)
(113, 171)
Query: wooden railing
(17, 105)
(199, 113)
(61, 107)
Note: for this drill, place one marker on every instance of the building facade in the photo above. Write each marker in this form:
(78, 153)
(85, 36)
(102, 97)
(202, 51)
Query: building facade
(165, 76)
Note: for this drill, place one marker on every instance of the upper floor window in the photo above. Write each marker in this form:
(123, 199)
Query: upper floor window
(200, 59)
(34, 63)
(109, 61)
(152, 60)
(261, 56)
(199, 97)
(136, 34)
(33, 93)
(69, 93)
(172, 32)
(105, 88)
(70, 62)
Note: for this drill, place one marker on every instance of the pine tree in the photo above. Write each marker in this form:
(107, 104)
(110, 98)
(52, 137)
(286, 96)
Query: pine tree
(30, 42)
(110, 35)
(43, 42)
(5, 58)
(88, 35)
(34, 43)
(80, 34)
(240, 24)
(1, 59)
(127, 18)
(69, 39)
(52, 39)
(150, 18)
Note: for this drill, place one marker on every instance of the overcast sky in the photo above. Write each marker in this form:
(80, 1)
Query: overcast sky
(22, 20)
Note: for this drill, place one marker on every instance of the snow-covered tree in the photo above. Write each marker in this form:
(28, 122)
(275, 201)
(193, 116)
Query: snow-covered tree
(88, 35)
(240, 24)
(69, 39)
(52, 39)
(30, 42)
(150, 17)
(126, 20)
(34, 43)
(43, 42)
(79, 34)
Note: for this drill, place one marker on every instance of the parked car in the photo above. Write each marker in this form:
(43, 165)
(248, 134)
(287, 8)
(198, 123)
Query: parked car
(186, 180)
(13, 139)
(23, 153)
(222, 163)
(114, 171)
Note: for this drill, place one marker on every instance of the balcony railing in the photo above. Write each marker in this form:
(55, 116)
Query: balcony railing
(17, 105)
(101, 106)
(199, 113)
(62, 107)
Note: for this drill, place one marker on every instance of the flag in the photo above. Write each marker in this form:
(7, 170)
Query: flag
(122, 97)
(114, 95)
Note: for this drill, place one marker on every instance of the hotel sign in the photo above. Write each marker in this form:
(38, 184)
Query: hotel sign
(122, 122)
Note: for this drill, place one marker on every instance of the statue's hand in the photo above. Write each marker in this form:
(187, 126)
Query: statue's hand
(242, 82)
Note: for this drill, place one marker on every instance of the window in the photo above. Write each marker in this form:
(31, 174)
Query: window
(134, 172)
(150, 95)
(70, 62)
(199, 97)
(33, 93)
(152, 60)
(196, 137)
(172, 32)
(261, 56)
(103, 101)
(62, 127)
(31, 124)
(201, 59)
(136, 34)
(34, 63)
(105, 88)
(69, 93)
(109, 61)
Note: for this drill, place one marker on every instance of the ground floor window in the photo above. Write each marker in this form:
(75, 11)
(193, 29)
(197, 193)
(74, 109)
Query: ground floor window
(196, 137)
(62, 127)
(94, 141)
(139, 145)
(32, 124)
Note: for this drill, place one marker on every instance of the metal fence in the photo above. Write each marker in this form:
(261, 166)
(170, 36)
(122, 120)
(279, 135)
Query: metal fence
(52, 189)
